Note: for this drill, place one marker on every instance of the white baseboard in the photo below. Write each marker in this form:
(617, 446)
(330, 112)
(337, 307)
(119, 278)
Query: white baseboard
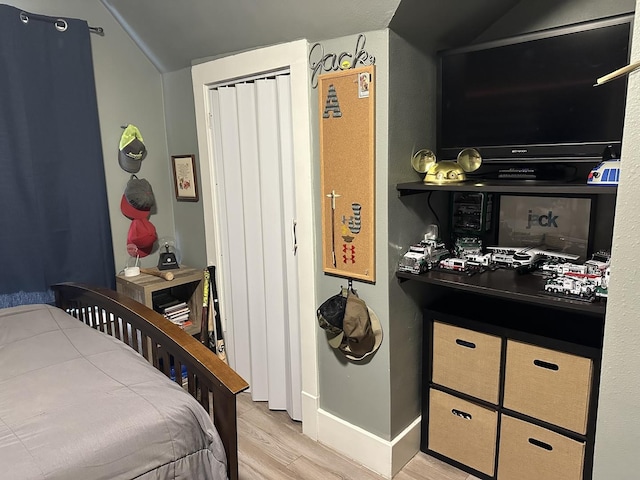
(382, 456)
(310, 415)
(405, 446)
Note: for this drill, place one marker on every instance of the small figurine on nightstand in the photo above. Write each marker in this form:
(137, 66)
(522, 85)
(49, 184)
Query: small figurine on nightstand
(168, 260)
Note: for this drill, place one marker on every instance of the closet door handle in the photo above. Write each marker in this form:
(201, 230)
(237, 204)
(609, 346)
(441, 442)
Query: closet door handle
(295, 236)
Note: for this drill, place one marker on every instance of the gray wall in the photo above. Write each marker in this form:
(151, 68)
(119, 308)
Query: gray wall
(129, 90)
(412, 77)
(182, 140)
(359, 392)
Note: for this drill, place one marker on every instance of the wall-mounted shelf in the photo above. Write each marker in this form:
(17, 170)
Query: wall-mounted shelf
(510, 285)
(509, 186)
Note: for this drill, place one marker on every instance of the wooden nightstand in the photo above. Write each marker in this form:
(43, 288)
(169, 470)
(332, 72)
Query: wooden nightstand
(185, 286)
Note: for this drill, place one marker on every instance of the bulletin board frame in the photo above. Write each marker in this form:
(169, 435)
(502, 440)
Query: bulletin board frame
(346, 101)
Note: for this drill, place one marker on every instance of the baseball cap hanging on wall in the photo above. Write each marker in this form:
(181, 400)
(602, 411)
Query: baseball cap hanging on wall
(136, 204)
(131, 150)
(138, 198)
(143, 235)
(352, 327)
(331, 316)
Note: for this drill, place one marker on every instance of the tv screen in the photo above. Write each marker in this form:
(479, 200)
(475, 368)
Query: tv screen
(532, 97)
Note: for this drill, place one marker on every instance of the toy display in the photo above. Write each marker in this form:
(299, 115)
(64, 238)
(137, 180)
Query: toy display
(588, 281)
(467, 246)
(570, 286)
(528, 258)
(446, 171)
(469, 249)
(425, 255)
(599, 262)
(471, 212)
(605, 173)
(602, 291)
(455, 264)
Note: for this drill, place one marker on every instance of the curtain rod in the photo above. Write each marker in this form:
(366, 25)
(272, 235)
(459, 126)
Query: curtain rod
(59, 23)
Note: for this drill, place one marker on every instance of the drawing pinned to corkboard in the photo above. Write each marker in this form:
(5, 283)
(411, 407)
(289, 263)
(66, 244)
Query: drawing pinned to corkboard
(347, 167)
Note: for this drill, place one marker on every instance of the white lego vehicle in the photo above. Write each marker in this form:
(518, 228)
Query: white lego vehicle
(570, 286)
(455, 264)
(465, 246)
(422, 257)
(564, 268)
(480, 259)
(414, 261)
(599, 262)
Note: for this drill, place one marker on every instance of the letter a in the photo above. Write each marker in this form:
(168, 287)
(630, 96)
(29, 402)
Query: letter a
(332, 104)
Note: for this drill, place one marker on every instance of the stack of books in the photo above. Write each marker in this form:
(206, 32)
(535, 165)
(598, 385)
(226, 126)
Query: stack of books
(174, 310)
(178, 313)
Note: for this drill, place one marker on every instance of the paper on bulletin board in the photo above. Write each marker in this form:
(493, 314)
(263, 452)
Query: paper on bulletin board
(347, 166)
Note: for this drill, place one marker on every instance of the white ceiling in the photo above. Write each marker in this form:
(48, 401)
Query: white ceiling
(175, 33)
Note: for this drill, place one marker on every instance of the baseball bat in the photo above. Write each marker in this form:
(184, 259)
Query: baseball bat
(166, 275)
(204, 323)
(219, 335)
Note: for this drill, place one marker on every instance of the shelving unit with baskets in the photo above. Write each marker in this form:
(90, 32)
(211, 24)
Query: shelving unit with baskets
(510, 374)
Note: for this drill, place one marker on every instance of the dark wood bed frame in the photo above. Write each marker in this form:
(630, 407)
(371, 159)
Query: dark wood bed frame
(211, 381)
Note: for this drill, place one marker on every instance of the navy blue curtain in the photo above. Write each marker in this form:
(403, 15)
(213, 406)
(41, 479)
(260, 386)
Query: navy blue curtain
(54, 216)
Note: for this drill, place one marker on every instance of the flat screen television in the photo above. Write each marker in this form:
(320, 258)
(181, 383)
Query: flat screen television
(532, 98)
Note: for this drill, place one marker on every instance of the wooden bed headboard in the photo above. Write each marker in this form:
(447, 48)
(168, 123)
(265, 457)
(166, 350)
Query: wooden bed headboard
(168, 348)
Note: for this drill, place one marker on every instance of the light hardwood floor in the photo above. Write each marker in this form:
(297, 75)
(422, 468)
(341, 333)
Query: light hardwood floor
(272, 447)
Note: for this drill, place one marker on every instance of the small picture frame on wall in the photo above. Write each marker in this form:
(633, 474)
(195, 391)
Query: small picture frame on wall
(184, 178)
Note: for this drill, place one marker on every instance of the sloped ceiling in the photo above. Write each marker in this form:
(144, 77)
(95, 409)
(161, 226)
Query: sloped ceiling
(175, 33)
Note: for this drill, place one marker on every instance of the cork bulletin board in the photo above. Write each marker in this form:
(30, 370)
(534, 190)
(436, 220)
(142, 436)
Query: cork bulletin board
(347, 171)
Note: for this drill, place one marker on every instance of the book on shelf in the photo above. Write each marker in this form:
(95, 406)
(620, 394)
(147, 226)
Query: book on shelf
(177, 313)
(175, 308)
(179, 316)
(162, 300)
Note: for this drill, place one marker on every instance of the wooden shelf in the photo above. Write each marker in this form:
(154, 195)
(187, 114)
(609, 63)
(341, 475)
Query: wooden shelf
(143, 286)
(507, 284)
(509, 186)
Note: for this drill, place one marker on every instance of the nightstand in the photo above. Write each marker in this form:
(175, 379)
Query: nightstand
(185, 286)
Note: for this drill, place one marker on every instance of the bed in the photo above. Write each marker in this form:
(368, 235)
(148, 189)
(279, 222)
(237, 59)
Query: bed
(82, 399)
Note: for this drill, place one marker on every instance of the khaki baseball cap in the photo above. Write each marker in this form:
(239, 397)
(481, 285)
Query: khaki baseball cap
(362, 331)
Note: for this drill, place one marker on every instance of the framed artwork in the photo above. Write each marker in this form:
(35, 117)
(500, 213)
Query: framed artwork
(560, 224)
(184, 178)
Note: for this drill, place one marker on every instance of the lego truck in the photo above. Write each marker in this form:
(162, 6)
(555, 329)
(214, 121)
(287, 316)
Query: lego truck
(423, 256)
(570, 286)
